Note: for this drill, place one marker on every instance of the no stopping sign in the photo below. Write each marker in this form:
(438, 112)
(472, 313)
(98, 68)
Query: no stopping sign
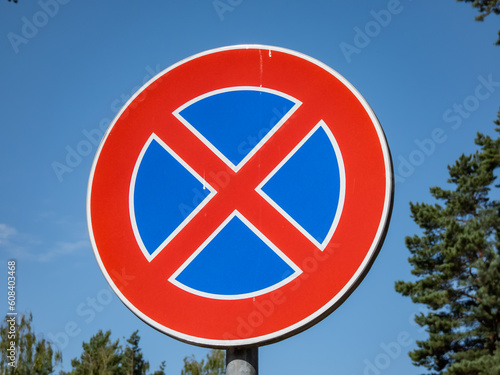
(245, 191)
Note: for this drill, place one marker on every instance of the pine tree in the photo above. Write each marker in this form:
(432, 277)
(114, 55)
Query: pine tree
(456, 262)
(100, 356)
(486, 7)
(133, 358)
(32, 356)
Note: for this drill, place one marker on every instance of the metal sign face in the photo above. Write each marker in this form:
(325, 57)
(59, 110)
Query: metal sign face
(245, 193)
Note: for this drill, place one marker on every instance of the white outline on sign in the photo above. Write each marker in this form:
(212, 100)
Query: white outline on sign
(256, 148)
(197, 209)
(340, 205)
(273, 247)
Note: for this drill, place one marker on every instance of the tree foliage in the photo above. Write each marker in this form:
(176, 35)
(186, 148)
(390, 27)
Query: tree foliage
(215, 364)
(133, 358)
(33, 356)
(456, 262)
(102, 356)
(485, 8)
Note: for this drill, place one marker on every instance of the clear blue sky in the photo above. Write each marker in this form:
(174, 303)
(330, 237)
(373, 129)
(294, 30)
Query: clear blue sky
(430, 73)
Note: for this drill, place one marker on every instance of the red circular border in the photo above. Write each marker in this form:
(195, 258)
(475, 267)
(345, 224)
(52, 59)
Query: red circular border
(328, 277)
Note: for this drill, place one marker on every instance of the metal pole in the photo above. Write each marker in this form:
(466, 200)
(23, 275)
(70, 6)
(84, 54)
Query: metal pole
(242, 361)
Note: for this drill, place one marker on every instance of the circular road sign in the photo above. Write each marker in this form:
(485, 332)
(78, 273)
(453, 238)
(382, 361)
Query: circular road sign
(240, 196)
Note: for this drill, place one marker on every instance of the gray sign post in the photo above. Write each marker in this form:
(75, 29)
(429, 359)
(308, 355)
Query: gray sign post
(242, 361)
